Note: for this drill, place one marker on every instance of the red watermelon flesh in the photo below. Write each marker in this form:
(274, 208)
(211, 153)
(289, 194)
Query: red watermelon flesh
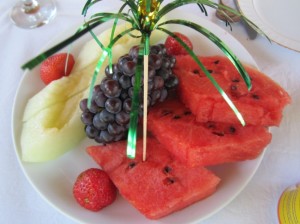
(202, 144)
(158, 186)
(263, 105)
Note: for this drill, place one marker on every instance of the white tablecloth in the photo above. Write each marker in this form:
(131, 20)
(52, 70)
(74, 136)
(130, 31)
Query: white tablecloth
(257, 203)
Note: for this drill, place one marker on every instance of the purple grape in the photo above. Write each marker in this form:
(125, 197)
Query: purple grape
(127, 105)
(163, 95)
(125, 81)
(111, 88)
(172, 61)
(123, 59)
(119, 137)
(166, 63)
(171, 82)
(158, 82)
(99, 98)
(117, 75)
(155, 60)
(151, 72)
(83, 105)
(106, 117)
(155, 95)
(87, 118)
(113, 105)
(104, 137)
(115, 129)
(91, 131)
(155, 49)
(128, 68)
(94, 108)
(124, 94)
(164, 73)
(108, 73)
(134, 52)
(122, 118)
(98, 123)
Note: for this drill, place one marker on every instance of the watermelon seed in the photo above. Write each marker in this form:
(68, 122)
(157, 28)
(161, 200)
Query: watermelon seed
(186, 113)
(131, 165)
(165, 113)
(216, 62)
(210, 71)
(211, 124)
(235, 80)
(254, 96)
(232, 129)
(169, 181)
(167, 169)
(196, 71)
(176, 117)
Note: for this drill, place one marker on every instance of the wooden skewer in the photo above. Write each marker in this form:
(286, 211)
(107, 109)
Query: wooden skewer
(145, 111)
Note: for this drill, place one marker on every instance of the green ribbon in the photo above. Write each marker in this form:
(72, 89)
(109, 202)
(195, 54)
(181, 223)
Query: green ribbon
(132, 132)
(86, 27)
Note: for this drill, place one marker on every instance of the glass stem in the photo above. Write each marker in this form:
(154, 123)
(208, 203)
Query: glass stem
(30, 6)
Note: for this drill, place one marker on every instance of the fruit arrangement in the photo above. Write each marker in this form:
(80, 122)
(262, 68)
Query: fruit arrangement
(187, 133)
(190, 124)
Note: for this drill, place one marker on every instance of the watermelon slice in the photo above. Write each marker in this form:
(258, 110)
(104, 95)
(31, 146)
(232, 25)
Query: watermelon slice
(158, 186)
(202, 144)
(263, 105)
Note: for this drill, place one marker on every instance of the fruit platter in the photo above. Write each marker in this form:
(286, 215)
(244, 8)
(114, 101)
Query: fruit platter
(54, 176)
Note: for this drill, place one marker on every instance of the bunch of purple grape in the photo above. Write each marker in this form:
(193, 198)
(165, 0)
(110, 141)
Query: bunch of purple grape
(107, 119)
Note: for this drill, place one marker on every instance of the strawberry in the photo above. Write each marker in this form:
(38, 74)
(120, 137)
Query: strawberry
(175, 48)
(53, 68)
(94, 190)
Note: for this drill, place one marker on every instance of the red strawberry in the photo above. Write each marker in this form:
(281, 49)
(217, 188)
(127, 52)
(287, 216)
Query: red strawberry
(94, 190)
(175, 48)
(53, 68)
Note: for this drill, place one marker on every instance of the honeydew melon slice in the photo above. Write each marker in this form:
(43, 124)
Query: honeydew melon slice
(52, 131)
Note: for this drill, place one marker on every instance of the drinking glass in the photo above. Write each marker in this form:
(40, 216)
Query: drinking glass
(33, 13)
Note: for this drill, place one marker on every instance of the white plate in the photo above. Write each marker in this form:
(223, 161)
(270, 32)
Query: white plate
(278, 19)
(54, 179)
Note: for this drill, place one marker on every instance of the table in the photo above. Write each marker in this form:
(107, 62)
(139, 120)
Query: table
(257, 203)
